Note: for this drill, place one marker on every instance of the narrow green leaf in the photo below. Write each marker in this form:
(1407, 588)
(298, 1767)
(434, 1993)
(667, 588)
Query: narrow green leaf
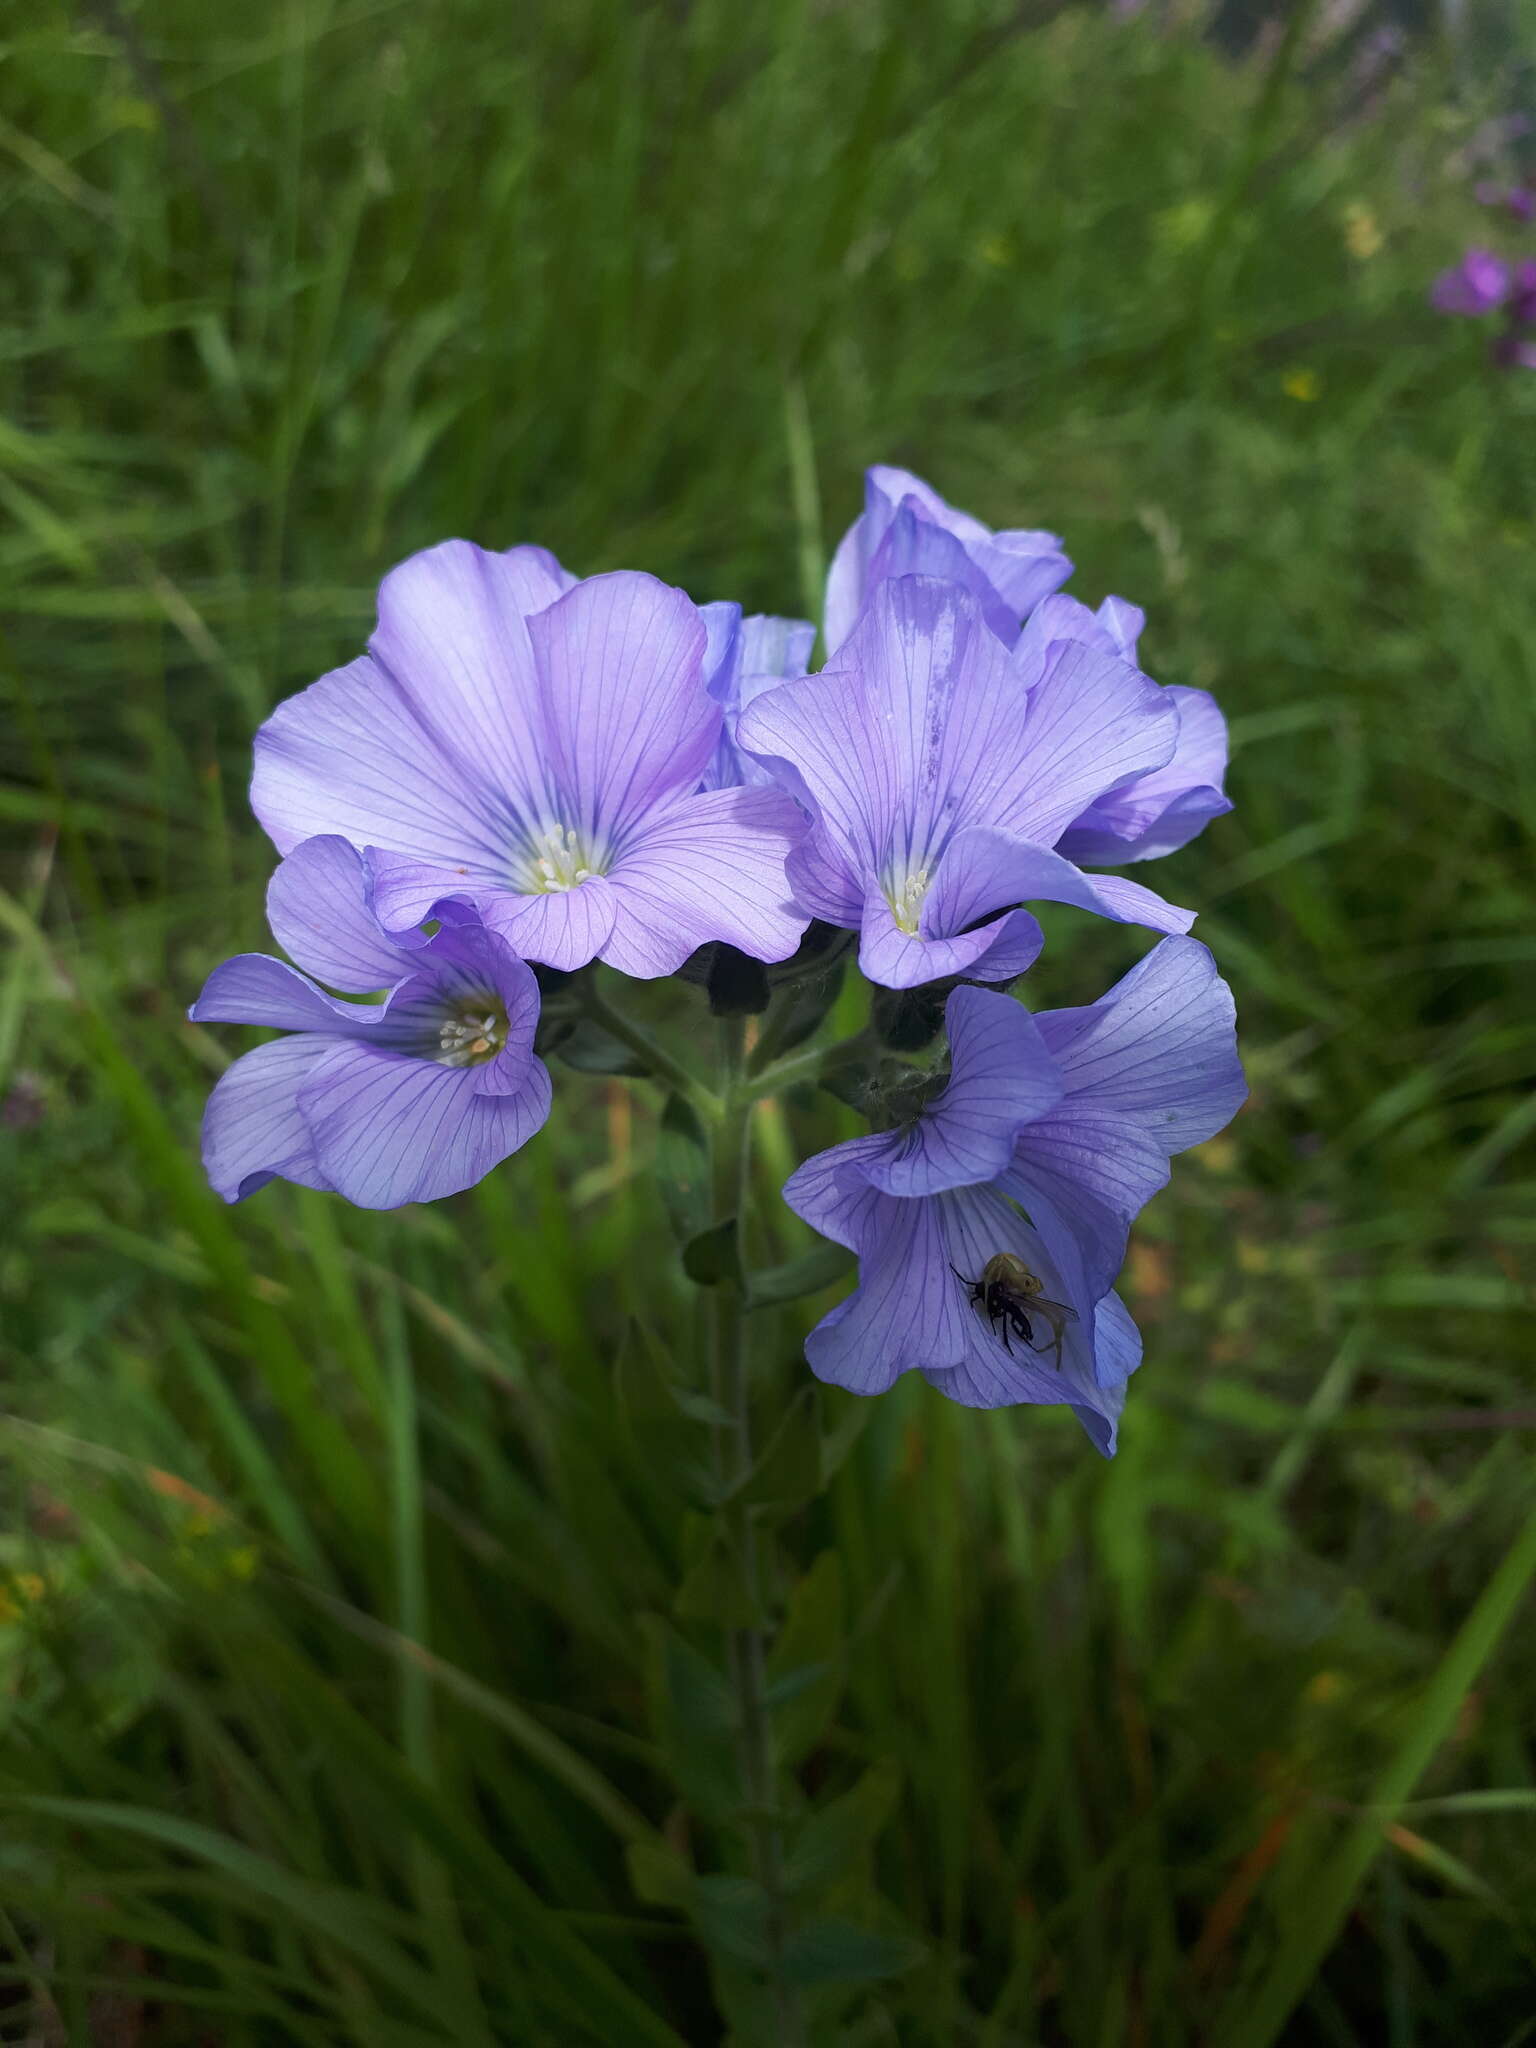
(843, 1830)
(682, 1169)
(823, 1264)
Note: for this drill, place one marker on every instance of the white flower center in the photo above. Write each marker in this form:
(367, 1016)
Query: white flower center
(471, 1037)
(906, 898)
(558, 859)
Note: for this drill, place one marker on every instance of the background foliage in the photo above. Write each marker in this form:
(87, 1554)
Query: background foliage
(343, 1699)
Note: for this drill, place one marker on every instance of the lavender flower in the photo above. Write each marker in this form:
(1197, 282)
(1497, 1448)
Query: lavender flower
(534, 746)
(1478, 284)
(907, 529)
(941, 769)
(1519, 200)
(745, 657)
(403, 1100)
(1050, 1136)
(1160, 811)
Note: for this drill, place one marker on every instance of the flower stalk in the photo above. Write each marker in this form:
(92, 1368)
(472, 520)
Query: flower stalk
(730, 1390)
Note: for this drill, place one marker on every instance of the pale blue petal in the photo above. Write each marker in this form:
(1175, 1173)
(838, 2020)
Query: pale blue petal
(252, 1129)
(1161, 811)
(996, 951)
(350, 755)
(628, 722)
(985, 870)
(1160, 1048)
(708, 866)
(253, 988)
(318, 908)
(1001, 1078)
(453, 633)
(388, 1130)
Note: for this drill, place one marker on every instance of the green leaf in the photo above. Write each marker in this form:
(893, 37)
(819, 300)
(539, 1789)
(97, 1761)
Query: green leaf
(643, 1388)
(842, 1830)
(811, 1648)
(694, 1717)
(715, 1589)
(837, 1952)
(731, 1914)
(714, 1255)
(849, 1426)
(789, 1471)
(591, 1050)
(682, 1168)
(808, 1274)
(658, 1875)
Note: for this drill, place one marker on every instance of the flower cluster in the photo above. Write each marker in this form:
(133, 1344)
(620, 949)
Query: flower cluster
(1484, 282)
(530, 772)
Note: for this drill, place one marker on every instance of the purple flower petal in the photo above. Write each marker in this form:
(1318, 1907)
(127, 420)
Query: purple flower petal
(1478, 284)
(709, 866)
(1123, 622)
(1159, 812)
(982, 869)
(565, 929)
(744, 658)
(317, 906)
(930, 777)
(1011, 572)
(252, 1129)
(253, 988)
(896, 958)
(1090, 722)
(1002, 1078)
(465, 971)
(453, 633)
(627, 721)
(907, 1309)
(388, 1129)
(1161, 1046)
(350, 755)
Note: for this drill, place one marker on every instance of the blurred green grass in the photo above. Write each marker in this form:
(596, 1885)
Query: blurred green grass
(324, 1711)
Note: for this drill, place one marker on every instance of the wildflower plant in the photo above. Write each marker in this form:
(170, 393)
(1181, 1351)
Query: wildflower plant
(534, 793)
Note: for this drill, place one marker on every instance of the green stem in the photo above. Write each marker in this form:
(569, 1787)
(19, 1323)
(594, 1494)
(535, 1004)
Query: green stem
(730, 1387)
(659, 1062)
(799, 1066)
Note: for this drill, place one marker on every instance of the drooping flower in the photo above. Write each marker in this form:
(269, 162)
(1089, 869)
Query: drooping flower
(941, 769)
(403, 1100)
(745, 657)
(1049, 1137)
(1478, 284)
(534, 746)
(906, 529)
(1162, 810)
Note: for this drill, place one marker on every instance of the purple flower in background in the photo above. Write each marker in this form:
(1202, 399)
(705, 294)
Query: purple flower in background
(1519, 200)
(1050, 1136)
(1522, 293)
(1510, 352)
(941, 768)
(1478, 284)
(907, 529)
(1162, 810)
(403, 1100)
(745, 657)
(534, 746)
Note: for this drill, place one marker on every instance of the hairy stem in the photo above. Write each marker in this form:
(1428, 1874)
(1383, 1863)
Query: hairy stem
(660, 1063)
(731, 1388)
(800, 1066)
